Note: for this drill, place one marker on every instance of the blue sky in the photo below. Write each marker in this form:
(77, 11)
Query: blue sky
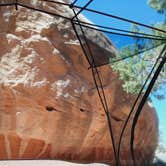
(137, 10)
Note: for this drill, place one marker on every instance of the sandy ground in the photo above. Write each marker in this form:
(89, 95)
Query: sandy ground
(43, 163)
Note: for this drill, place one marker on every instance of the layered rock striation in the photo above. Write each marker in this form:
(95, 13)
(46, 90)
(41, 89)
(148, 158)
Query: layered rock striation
(49, 106)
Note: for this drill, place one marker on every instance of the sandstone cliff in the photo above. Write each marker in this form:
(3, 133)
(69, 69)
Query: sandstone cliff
(49, 107)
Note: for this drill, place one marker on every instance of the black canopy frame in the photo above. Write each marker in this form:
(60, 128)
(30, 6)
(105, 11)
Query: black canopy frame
(76, 22)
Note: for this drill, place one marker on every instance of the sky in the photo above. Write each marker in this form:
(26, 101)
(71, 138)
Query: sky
(139, 11)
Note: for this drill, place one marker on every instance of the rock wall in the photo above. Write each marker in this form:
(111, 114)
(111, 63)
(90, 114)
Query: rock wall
(49, 106)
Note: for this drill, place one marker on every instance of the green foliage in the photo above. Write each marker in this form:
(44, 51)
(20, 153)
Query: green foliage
(134, 71)
(159, 5)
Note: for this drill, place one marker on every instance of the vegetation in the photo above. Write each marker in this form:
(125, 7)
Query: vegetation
(133, 71)
(158, 5)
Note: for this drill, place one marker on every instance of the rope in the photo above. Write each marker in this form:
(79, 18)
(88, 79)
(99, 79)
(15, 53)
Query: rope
(86, 9)
(101, 96)
(143, 101)
(140, 52)
(73, 3)
(42, 11)
(83, 8)
(133, 107)
(123, 19)
(16, 6)
(82, 46)
(89, 25)
(6, 4)
(108, 15)
(94, 69)
(126, 57)
(123, 34)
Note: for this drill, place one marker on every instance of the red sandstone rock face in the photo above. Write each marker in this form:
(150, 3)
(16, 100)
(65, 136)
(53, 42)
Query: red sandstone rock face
(49, 107)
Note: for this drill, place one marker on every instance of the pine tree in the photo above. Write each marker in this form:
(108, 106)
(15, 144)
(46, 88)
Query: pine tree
(158, 5)
(133, 71)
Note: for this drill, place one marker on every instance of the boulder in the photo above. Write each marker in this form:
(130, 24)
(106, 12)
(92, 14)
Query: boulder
(49, 105)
